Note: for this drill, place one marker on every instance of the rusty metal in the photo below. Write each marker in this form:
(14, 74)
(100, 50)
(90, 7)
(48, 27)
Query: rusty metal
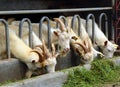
(7, 38)
(79, 23)
(93, 26)
(45, 18)
(105, 21)
(30, 29)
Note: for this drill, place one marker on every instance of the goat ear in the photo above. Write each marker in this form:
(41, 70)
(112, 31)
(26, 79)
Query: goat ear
(56, 33)
(105, 43)
(69, 23)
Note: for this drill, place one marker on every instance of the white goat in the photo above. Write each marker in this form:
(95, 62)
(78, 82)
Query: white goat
(78, 45)
(33, 58)
(101, 40)
(25, 35)
(84, 36)
(59, 36)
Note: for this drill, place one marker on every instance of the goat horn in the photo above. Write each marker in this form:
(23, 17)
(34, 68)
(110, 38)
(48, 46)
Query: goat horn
(84, 48)
(10, 20)
(45, 50)
(40, 46)
(38, 52)
(62, 26)
(53, 49)
(44, 46)
(69, 22)
(88, 45)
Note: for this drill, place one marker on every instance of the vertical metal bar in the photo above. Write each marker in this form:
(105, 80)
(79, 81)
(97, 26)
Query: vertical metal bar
(30, 29)
(106, 23)
(79, 23)
(113, 3)
(64, 20)
(7, 38)
(93, 26)
(49, 30)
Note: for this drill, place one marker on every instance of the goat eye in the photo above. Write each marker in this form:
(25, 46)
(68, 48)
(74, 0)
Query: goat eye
(109, 50)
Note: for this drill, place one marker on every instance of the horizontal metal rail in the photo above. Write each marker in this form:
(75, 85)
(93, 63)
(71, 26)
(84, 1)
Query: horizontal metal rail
(53, 10)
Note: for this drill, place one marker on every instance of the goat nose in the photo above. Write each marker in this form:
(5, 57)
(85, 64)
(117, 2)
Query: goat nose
(67, 49)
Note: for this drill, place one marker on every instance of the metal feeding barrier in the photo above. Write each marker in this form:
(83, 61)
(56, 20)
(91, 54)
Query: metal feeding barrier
(105, 21)
(93, 27)
(7, 37)
(64, 21)
(76, 17)
(45, 18)
(30, 29)
(49, 29)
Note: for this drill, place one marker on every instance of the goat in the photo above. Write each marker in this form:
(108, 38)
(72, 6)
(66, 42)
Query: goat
(101, 40)
(58, 36)
(78, 45)
(33, 58)
(25, 35)
(84, 36)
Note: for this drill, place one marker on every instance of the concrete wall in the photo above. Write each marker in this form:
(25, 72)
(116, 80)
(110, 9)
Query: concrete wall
(56, 79)
(13, 69)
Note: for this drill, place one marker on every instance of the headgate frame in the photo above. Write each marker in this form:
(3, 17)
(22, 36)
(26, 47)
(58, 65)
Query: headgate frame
(30, 29)
(62, 17)
(7, 37)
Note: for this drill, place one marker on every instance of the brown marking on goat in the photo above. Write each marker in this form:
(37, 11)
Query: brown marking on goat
(42, 51)
(41, 56)
(74, 37)
(56, 33)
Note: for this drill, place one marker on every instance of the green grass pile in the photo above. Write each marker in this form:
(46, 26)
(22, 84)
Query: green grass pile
(102, 71)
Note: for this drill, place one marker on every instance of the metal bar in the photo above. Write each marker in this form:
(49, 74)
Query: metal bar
(93, 26)
(79, 23)
(49, 30)
(105, 21)
(30, 29)
(54, 10)
(7, 38)
(64, 20)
